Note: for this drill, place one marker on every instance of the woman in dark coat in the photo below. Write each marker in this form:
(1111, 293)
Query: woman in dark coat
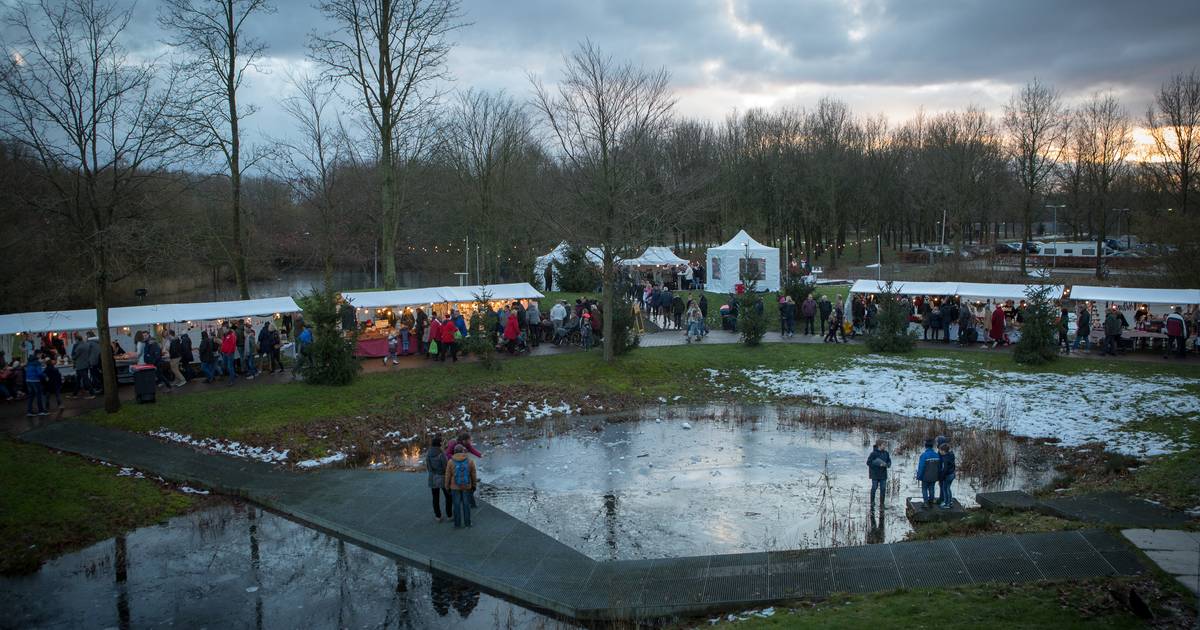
(435, 465)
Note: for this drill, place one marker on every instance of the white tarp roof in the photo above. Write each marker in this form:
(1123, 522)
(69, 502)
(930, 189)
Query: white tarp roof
(559, 254)
(740, 241)
(1000, 291)
(147, 314)
(655, 256)
(906, 288)
(438, 295)
(1173, 297)
(964, 289)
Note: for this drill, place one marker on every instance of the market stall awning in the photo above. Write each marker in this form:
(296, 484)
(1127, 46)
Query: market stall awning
(1173, 297)
(495, 292)
(400, 297)
(145, 314)
(1000, 291)
(906, 288)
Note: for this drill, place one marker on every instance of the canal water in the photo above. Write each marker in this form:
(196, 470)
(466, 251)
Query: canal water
(677, 481)
(237, 566)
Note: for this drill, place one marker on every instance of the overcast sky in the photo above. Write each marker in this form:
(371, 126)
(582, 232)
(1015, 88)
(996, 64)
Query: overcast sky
(881, 56)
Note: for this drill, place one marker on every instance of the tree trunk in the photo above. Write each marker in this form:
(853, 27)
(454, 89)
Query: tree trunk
(606, 287)
(108, 365)
(235, 166)
(388, 209)
(1026, 231)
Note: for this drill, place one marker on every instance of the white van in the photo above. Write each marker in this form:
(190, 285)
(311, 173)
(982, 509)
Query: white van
(1086, 249)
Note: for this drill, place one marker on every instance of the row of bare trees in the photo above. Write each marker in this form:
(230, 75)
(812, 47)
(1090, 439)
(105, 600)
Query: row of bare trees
(384, 159)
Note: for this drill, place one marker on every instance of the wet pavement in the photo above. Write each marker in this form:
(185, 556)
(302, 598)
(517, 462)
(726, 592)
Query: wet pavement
(238, 566)
(683, 481)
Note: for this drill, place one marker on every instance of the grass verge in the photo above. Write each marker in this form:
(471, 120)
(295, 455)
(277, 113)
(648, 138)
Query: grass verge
(52, 502)
(1086, 605)
(982, 522)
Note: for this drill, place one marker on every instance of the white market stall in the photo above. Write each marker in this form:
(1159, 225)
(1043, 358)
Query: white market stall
(543, 266)
(1144, 309)
(740, 258)
(386, 310)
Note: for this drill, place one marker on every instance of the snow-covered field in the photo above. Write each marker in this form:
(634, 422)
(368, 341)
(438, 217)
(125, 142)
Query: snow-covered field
(1076, 408)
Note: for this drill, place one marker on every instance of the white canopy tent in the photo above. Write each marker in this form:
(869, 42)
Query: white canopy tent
(976, 290)
(986, 291)
(559, 255)
(905, 287)
(400, 297)
(62, 321)
(439, 295)
(726, 264)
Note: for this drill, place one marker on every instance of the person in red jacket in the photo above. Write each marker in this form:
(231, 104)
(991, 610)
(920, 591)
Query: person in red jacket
(997, 328)
(228, 347)
(512, 331)
(435, 333)
(446, 341)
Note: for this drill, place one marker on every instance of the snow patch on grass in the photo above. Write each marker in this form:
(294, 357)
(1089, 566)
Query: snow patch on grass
(226, 447)
(323, 461)
(1039, 405)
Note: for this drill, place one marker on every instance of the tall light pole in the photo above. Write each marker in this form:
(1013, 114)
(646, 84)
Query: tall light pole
(1054, 260)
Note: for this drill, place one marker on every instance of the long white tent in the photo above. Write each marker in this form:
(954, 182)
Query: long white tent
(52, 321)
(1133, 295)
(438, 295)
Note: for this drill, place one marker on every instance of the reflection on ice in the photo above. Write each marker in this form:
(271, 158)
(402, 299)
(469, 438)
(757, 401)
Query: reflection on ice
(648, 487)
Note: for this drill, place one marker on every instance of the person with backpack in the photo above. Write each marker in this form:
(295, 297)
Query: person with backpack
(929, 472)
(464, 440)
(435, 466)
(152, 355)
(461, 479)
(878, 463)
(946, 470)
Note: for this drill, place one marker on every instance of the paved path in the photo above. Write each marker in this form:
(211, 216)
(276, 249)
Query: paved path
(389, 512)
(1104, 508)
(1175, 552)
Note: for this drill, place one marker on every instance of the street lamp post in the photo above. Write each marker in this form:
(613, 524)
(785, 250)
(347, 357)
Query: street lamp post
(1054, 260)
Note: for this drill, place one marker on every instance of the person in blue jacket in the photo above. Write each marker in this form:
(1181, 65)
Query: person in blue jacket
(34, 373)
(929, 472)
(946, 472)
(878, 463)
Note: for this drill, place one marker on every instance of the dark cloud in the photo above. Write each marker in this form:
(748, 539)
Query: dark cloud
(725, 53)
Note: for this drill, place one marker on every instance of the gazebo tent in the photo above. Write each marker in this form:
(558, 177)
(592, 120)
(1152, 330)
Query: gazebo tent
(726, 262)
(559, 255)
(655, 256)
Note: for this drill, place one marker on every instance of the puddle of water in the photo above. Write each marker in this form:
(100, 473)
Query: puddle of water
(236, 566)
(650, 487)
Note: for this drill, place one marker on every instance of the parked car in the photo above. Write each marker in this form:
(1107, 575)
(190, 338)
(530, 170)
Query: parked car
(1008, 248)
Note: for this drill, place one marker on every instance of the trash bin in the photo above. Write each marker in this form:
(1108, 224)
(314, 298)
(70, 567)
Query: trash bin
(144, 382)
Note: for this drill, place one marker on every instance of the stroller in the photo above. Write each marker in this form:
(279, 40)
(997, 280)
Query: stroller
(568, 333)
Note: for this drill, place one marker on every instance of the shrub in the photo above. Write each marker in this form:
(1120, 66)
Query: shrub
(330, 357)
(625, 335)
(891, 333)
(1039, 335)
(577, 274)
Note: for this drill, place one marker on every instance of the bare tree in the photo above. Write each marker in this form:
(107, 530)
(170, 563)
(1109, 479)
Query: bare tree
(1105, 139)
(1174, 122)
(94, 122)
(392, 53)
(1037, 125)
(217, 55)
(489, 136)
(313, 160)
(604, 118)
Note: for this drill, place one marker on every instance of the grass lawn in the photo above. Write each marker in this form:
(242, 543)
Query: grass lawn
(51, 503)
(982, 522)
(1063, 606)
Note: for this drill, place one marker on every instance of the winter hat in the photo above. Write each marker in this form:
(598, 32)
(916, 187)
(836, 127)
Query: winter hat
(941, 439)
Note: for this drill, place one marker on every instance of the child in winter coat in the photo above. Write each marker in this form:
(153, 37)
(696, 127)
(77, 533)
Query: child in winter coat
(946, 470)
(929, 472)
(461, 479)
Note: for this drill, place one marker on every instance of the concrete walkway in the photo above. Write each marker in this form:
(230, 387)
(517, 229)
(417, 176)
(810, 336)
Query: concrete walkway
(389, 512)
(1175, 552)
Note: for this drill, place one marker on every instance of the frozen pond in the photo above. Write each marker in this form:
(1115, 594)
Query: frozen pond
(649, 487)
(237, 566)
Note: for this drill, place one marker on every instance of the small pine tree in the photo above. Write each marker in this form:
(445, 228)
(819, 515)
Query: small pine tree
(479, 338)
(752, 322)
(1039, 335)
(891, 332)
(330, 358)
(577, 274)
(798, 290)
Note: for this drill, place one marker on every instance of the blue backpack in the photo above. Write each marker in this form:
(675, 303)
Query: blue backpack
(462, 473)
